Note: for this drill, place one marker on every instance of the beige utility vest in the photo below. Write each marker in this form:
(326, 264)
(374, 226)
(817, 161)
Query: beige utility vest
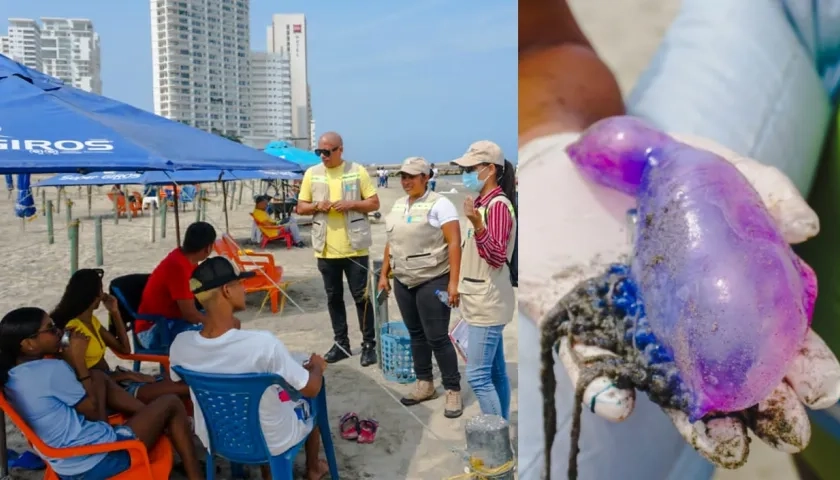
(487, 296)
(356, 224)
(418, 251)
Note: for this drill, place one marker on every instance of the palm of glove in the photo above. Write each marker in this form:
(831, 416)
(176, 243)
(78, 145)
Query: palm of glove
(598, 332)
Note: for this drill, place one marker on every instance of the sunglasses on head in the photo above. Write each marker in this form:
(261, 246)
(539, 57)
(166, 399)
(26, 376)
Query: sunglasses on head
(325, 152)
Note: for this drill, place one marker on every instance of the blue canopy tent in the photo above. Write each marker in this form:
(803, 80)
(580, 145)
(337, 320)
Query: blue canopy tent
(287, 152)
(156, 177)
(49, 127)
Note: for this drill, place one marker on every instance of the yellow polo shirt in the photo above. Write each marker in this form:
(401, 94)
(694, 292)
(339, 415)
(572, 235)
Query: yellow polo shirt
(338, 241)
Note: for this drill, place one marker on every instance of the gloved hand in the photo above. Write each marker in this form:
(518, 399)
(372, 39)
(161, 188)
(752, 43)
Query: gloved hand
(590, 232)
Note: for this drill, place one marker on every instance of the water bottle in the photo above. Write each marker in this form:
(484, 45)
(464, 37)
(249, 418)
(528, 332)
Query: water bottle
(443, 296)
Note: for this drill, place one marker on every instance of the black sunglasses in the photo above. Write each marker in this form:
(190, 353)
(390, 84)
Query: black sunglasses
(50, 328)
(325, 152)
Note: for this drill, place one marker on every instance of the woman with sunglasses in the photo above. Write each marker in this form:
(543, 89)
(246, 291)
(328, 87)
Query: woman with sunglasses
(66, 404)
(486, 293)
(75, 311)
(424, 254)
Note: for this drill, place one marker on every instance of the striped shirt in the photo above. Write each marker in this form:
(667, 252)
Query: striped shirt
(492, 242)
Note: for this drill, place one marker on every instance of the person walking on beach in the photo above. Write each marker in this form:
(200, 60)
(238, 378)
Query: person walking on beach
(486, 295)
(339, 194)
(424, 254)
(433, 178)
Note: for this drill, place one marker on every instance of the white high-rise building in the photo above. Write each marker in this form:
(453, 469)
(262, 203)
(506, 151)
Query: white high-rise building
(200, 63)
(70, 51)
(270, 99)
(66, 48)
(287, 34)
(23, 42)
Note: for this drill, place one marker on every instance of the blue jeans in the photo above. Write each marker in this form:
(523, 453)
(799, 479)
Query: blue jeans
(486, 370)
(112, 464)
(151, 337)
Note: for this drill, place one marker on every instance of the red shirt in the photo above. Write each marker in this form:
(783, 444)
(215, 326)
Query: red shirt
(168, 283)
(492, 242)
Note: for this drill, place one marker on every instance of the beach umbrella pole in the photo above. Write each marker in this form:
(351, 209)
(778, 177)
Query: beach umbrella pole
(163, 210)
(90, 200)
(48, 211)
(283, 189)
(224, 206)
(97, 239)
(177, 217)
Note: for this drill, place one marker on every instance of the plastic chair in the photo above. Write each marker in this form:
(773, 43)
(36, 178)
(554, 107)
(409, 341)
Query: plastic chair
(230, 405)
(269, 276)
(125, 289)
(135, 203)
(145, 465)
(271, 232)
(187, 195)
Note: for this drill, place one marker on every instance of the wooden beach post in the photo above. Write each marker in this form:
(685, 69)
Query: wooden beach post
(152, 222)
(74, 246)
(90, 200)
(115, 207)
(232, 194)
(100, 255)
(163, 210)
(48, 212)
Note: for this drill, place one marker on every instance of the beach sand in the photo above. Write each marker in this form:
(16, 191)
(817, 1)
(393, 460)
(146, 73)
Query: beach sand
(36, 273)
(626, 34)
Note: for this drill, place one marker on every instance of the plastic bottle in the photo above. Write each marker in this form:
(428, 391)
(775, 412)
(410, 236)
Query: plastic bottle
(443, 296)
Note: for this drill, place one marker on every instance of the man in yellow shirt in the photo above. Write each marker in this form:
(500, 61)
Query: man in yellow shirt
(339, 194)
(261, 217)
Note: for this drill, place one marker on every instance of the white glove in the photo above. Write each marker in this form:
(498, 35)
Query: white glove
(578, 228)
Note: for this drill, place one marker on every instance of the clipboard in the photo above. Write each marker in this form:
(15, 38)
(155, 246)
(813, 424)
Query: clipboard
(459, 335)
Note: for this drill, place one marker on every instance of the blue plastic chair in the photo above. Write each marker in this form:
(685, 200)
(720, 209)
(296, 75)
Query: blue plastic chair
(187, 195)
(230, 406)
(160, 321)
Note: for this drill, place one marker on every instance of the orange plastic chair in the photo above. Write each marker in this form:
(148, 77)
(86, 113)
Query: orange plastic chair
(135, 204)
(120, 203)
(263, 263)
(145, 465)
(271, 232)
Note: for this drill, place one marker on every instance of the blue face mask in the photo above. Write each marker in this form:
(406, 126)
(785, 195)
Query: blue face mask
(472, 182)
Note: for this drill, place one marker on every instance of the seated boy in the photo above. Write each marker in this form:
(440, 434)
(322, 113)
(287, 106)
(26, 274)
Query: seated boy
(221, 348)
(167, 291)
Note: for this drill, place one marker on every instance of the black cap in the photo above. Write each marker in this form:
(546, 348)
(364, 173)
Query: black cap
(214, 273)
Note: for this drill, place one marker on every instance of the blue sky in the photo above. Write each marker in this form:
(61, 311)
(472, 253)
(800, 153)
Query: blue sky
(395, 78)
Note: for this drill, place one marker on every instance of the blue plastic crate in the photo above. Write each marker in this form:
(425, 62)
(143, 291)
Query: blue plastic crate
(397, 362)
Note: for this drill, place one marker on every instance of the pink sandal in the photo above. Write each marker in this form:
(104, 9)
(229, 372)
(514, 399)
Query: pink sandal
(367, 430)
(349, 426)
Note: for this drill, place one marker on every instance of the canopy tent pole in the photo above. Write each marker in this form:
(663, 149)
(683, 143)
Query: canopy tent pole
(177, 218)
(283, 188)
(224, 206)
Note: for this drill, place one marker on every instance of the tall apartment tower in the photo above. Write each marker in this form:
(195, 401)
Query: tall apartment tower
(70, 51)
(287, 35)
(23, 42)
(200, 63)
(66, 48)
(271, 99)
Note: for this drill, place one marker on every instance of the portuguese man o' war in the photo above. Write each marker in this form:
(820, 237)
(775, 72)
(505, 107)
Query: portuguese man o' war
(715, 289)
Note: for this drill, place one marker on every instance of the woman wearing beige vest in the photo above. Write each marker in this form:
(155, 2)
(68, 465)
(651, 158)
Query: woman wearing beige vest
(424, 253)
(487, 296)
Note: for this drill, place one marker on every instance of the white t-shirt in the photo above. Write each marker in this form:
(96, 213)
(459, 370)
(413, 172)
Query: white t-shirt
(247, 351)
(441, 213)
(434, 173)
